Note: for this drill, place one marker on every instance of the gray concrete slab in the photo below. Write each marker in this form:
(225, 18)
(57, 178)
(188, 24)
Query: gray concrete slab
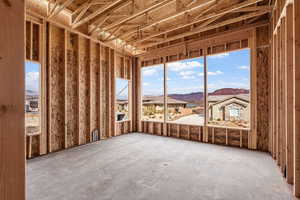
(146, 167)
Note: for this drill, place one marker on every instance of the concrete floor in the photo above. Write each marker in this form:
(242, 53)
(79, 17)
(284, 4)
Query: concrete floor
(144, 167)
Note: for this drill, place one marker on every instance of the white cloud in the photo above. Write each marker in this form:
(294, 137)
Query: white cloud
(149, 72)
(220, 55)
(32, 81)
(244, 67)
(211, 73)
(145, 84)
(214, 73)
(180, 66)
(186, 73)
(188, 77)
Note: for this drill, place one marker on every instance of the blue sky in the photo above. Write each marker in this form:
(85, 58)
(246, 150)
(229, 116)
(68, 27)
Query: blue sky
(32, 76)
(122, 88)
(226, 70)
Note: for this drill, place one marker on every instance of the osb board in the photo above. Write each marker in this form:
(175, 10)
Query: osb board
(72, 89)
(56, 88)
(95, 89)
(104, 90)
(28, 40)
(196, 133)
(245, 139)
(158, 128)
(234, 137)
(84, 103)
(184, 132)
(220, 136)
(34, 148)
(35, 42)
(263, 87)
(173, 130)
(122, 127)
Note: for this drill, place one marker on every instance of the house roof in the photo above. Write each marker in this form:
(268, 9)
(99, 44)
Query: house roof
(218, 98)
(160, 100)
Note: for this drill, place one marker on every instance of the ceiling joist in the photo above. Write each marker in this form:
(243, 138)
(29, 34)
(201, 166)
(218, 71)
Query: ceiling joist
(169, 17)
(205, 17)
(210, 27)
(98, 12)
(137, 14)
(59, 7)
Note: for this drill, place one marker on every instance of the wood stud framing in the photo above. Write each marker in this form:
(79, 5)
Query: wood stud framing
(284, 130)
(74, 74)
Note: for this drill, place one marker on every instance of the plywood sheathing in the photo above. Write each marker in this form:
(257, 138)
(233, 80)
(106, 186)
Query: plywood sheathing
(56, 88)
(35, 42)
(94, 86)
(263, 88)
(72, 89)
(104, 90)
(28, 40)
(84, 98)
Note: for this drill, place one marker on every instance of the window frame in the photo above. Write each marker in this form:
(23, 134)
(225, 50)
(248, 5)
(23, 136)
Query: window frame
(206, 111)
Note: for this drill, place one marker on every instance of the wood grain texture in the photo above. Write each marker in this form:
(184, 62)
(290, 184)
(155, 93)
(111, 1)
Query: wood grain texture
(263, 88)
(84, 110)
(71, 89)
(297, 97)
(94, 86)
(56, 89)
(12, 137)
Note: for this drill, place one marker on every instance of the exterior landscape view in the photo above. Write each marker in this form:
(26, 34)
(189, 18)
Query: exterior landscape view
(228, 91)
(32, 98)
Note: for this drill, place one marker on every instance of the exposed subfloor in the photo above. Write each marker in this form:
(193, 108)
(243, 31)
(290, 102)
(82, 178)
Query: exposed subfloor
(140, 166)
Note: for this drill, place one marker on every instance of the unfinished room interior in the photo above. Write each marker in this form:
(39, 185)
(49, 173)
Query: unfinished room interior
(149, 99)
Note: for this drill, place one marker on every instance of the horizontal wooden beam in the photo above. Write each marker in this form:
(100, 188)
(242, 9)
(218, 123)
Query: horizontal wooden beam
(169, 17)
(98, 12)
(212, 15)
(202, 29)
(139, 13)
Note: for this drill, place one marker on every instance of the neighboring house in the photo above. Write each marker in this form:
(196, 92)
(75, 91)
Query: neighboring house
(229, 107)
(156, 103)
(32, 104)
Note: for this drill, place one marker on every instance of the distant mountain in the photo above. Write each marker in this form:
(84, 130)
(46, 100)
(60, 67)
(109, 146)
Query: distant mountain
(229, 91)
(195, 98)
(31, 93)
(198, 97)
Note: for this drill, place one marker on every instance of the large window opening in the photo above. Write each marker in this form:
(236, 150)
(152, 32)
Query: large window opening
(122, 94)
(185, 89)
(153, 93)
(228, 84)
(32, 98)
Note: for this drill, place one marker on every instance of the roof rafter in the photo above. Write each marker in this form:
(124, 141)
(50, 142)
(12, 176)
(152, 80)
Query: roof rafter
(98, 12)
(202, 29)
(169, 17)
(137, 14)
(56, 10)
(212, 15)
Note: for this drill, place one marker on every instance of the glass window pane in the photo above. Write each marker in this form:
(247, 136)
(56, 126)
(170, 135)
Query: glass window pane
(32, 98)
(228, 85)
(185, 86)
(153, 93)
(122, 94)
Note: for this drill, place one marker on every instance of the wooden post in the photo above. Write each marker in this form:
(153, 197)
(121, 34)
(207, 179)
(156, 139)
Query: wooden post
(12, 133)
(205, 128)
(297, 97)
(290, 94)
(253, 134)
(165, 100)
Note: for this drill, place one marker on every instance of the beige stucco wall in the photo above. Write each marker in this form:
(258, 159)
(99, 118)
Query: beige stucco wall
(216, 111)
